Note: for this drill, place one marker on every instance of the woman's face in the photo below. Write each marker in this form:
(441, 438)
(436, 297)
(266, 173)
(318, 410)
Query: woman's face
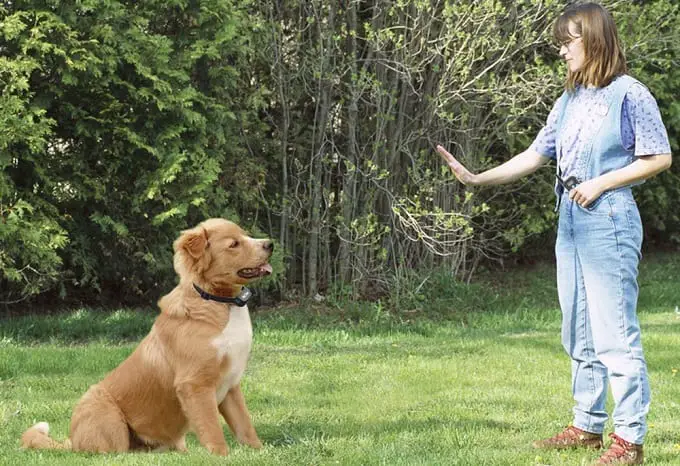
(573, 51)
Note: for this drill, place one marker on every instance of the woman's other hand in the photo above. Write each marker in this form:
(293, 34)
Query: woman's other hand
(587, 192)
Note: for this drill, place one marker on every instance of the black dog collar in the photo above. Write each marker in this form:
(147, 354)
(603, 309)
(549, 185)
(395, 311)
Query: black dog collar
(240, 300)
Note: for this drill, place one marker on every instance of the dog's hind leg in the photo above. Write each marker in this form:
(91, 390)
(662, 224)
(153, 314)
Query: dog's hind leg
(98, 425)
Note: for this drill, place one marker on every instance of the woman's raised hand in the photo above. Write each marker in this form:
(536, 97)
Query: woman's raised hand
(462, 173)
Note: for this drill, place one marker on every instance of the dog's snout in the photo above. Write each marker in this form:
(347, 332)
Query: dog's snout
(268, 245)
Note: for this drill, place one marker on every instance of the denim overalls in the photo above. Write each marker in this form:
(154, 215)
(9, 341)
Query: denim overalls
(598, 251)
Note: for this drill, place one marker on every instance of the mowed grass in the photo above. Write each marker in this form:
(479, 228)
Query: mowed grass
(459, 375)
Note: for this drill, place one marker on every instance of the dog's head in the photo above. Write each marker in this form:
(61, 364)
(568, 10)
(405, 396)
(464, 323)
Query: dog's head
(219, 255)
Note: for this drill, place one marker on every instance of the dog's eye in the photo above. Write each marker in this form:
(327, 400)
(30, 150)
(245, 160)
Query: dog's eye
(234, 244)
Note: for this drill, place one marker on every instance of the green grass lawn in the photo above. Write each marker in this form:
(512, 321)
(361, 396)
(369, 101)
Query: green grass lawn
(459, 376)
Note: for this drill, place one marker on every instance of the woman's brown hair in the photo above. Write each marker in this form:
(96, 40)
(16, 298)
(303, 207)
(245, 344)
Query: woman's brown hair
(604, 57)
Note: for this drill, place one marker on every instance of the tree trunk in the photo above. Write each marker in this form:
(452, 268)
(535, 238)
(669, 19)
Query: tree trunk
(349, 197)
(318, 149)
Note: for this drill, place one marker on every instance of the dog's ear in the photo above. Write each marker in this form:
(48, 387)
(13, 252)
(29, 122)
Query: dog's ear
(190, 252)
(194, 242)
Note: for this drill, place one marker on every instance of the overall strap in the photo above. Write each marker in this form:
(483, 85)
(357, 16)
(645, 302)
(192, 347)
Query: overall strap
(562, 105)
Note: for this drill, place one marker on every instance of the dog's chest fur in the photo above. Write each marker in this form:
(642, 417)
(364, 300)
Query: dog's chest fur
(234, 343)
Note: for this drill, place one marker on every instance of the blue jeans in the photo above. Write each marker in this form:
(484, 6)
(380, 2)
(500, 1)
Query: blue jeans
(598, 251)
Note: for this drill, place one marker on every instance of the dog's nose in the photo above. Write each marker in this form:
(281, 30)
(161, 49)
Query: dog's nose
(268, 245)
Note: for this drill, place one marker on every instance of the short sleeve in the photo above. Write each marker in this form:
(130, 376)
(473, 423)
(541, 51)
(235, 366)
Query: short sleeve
(544, 143)
(641, 126)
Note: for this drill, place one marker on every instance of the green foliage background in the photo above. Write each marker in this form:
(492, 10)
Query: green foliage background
(124, 122)
(119, 122)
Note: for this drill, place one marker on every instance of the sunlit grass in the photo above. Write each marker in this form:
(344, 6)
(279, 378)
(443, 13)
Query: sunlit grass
(372, 387)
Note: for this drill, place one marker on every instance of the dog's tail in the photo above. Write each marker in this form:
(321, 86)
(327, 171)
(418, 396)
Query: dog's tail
(38, 437)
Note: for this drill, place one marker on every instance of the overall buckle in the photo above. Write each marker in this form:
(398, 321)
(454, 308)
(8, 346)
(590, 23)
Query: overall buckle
(568, 184)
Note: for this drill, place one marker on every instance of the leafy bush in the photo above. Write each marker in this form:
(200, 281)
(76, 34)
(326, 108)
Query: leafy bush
(119, 123)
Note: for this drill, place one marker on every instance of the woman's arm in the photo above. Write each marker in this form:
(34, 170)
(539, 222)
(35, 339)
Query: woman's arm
(520, 165)
(644, 167)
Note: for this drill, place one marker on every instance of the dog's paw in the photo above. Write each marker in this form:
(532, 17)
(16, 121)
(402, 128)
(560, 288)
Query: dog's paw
(181, 445)
(251, 440)
(220, 450)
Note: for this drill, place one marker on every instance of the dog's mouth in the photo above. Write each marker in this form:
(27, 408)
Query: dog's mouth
(255, 272)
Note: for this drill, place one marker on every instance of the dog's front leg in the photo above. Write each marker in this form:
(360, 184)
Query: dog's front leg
(235, 412)
(200, 407)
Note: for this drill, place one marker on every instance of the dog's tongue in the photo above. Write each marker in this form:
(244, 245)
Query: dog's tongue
(266, 268)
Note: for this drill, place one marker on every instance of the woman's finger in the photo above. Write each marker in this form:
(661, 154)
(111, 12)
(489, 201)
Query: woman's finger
(445, 154)
(450, 159)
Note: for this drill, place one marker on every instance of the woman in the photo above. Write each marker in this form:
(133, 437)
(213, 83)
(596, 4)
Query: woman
(606, 135)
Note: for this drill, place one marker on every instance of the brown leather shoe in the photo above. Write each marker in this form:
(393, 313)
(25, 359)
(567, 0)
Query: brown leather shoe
(571, 437)
(621, 452)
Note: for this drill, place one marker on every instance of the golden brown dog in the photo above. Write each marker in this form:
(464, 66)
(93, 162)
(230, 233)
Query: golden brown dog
(187, 370)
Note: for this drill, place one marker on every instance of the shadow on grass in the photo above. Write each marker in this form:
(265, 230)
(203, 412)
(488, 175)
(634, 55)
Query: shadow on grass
(78, 326)
(511, 301)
